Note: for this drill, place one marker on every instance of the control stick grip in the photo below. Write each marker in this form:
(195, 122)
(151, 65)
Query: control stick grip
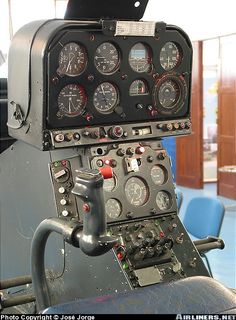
(93, 240)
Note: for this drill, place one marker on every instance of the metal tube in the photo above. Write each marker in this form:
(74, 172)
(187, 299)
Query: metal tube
(22, 299)
(15, 282)
(67, 230)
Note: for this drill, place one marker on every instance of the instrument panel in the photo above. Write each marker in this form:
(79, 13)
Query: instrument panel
(142, 183)
(105, 80)
(88, 78)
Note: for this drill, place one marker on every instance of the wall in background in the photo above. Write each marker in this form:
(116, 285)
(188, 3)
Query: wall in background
(201, 19)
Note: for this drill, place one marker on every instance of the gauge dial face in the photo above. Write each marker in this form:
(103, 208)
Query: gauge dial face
(136, 191)
(138, 88)
(163, 200)
(72, 59)
(169, 94)
(71, 101)
(140, 58)
(113, 208)
(158, 175)
(109, 184)
(106, 58)
(105, 97)
(169, 56)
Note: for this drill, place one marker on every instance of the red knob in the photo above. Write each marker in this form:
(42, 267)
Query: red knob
(107, 172)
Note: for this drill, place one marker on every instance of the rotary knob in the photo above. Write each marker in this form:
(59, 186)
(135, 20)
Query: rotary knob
(115, 132)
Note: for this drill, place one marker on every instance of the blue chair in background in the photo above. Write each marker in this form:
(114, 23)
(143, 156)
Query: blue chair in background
(203, 218)
(179, 198)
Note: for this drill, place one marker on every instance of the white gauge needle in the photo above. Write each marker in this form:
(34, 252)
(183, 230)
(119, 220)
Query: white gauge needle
(103, 92)
(73, 105)
(69, 107)
(71, 57)
(168, 59)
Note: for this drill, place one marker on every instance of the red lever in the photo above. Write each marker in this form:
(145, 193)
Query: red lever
(107, 172)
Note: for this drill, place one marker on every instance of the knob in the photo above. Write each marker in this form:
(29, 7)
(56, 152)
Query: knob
(140, 150)
(115, 132)
(192, 262)
(188, 124)
(172, 226)
(176, 125)
(140, 255)
(76, 136)
(180, 239)
(150, 159)
(85, 133)
(150, 252)
(161, 156)
(121, 152)
(59, 137)
(158, 250)
(61, 190)
(65, 213)
(130, 151)
(63, 202)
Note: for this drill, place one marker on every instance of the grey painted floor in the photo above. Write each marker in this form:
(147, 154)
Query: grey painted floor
(223, 262)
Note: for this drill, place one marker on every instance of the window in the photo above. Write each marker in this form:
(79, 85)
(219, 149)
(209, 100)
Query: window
(16, 13)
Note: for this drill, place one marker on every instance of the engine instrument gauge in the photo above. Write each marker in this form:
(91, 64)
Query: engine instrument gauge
(110, 184)
(106, 97)
(138, 88)
(106, 58)
(136, 191)
(71, 101)
(159, 175)
(72, 59)
(169, 56)
(113, 208)
(163, 200)
(140, 58)
(169, 94)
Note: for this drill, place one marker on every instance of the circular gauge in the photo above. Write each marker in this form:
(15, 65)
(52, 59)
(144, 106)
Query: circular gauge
(113, 208)
(109, 184)
(105, 97)
(140, 58)
(136, 191)
(169, 94)
(158, 175)
(169, 56)
(72, 59)
(106, 58)
(138, 88)
(71, 101)
(163, 200)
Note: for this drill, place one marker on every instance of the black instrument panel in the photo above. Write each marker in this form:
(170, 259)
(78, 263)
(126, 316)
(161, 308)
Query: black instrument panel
(98, 79)
(142, 182)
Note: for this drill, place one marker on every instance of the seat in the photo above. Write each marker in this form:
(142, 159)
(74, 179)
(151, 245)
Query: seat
(194, 295)
(179, 198)
(203, 218)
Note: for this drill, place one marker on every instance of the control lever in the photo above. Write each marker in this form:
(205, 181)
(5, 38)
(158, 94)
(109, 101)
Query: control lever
(209, 243)
(93, 239)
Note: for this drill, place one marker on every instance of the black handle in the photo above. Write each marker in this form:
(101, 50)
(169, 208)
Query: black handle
(210, 243)
(93, 239)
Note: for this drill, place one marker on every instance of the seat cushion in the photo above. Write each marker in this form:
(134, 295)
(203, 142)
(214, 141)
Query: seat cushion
(191, 295)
